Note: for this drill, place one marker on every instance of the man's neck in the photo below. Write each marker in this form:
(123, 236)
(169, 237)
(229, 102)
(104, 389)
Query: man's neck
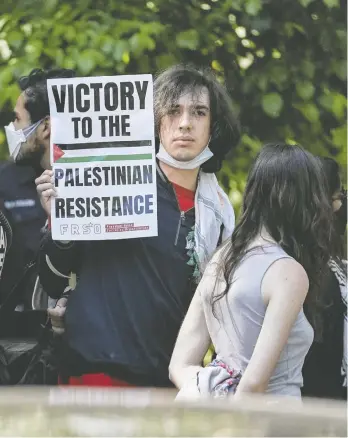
(45, 160)
(184, 178)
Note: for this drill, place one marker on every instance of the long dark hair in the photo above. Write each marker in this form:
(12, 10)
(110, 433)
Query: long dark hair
(179, 79)
(286, 195)
(331, 171)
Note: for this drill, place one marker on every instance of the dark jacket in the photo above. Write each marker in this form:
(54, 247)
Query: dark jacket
(131, 297)
(20, 204)
(322, 367)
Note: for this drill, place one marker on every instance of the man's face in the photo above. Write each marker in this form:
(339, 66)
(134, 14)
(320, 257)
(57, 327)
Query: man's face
(185, 130)
(32, 148)
(337, 198)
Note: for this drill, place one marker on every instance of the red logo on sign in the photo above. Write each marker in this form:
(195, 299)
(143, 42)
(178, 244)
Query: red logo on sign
(120, 228)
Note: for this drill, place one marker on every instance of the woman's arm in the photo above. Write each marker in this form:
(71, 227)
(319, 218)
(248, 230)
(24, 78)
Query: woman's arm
(193, 340)
(192, 344)
(284, 289)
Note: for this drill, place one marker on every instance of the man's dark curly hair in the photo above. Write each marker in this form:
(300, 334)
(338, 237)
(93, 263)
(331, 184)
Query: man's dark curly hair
(35, 89)
(177, 80)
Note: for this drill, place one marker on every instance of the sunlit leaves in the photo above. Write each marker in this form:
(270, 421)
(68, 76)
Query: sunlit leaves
(332, 3)
(285, 66)
(272, 104)
(188, 39)
(305, 3)
(253, 7)
(305, 89)
(309, 111)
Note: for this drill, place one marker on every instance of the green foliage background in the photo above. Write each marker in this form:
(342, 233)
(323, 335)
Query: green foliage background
(284, 61)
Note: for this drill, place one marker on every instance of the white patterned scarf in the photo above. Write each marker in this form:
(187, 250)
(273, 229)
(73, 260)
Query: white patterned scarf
(213, 212)
(342, 281)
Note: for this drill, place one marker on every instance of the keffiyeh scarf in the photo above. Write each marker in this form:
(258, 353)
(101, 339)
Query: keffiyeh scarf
(213, 213)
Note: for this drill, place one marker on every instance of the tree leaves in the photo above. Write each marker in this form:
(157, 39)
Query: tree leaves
(305, 3)
(14, 39)
(120, 47)
(284, 66)
(272, 104)
(339, 138)
(332, 3)
(305, 89)
(87, 61)
(188, 39)
(141, 42)
(308, 68)
(253, 7)
(309, 111)
(335, 103)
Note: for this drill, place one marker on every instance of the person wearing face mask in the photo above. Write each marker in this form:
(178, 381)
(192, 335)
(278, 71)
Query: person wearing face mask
(131, 296)
(28, 138)
(325, 366)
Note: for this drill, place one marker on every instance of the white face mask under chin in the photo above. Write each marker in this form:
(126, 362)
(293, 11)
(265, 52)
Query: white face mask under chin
(204, 156)
(16, 137)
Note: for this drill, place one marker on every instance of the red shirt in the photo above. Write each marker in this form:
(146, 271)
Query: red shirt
(99, 379)
(186, 198)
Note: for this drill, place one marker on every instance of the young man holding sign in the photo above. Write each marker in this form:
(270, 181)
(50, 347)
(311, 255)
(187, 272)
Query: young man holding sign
(132, 295)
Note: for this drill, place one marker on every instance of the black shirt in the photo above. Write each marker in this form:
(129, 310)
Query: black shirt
(130, 300)
(322, 368)
(20, 204)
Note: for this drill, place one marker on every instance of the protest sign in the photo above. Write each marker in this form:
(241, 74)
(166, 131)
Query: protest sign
(103, 155)
(107, 110)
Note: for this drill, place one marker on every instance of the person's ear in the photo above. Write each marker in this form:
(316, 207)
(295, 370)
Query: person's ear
(46, 132)
(43, 131)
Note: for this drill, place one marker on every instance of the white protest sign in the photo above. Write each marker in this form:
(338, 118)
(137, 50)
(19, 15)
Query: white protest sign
(101, 109)
(103, 155)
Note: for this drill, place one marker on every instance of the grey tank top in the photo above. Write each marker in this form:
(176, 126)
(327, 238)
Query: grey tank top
(240, 315)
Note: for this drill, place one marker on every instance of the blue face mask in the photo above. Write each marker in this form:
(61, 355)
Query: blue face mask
(15, 138)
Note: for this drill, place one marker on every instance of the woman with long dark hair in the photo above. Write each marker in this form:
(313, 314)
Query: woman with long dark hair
(328, 356)
(259, 299)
